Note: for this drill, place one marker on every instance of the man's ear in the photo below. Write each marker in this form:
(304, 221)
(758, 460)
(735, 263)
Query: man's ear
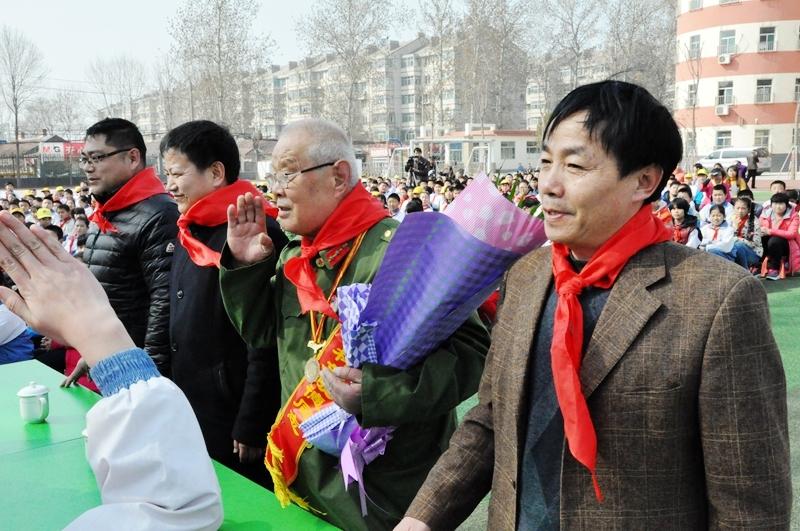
(217, 170)
(136, 157)
(648, 180)
(341, 176)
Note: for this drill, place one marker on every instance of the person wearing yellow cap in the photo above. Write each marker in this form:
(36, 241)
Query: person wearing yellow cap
(18, 213)
(44, 216)
(505, 186)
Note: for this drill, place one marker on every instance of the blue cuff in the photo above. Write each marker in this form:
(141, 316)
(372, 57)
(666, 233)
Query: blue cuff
(122, 370)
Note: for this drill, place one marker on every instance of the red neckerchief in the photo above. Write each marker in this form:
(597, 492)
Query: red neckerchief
(210, 211)
(639, 232)
(141, 186)
(357, 212)
(716, 233)
(740, 228)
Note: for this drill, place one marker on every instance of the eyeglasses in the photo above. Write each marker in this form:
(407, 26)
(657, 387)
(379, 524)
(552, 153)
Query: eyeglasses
(283, 179)
(95, 159)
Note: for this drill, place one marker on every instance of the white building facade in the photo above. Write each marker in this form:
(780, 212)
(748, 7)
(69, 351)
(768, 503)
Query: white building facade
(737, 77)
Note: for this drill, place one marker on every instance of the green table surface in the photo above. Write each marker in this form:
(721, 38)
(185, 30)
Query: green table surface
(48, 482)
(68, 407)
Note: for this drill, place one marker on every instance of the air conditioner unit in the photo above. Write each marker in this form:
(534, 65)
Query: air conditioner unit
(724, 59)
(722, 110)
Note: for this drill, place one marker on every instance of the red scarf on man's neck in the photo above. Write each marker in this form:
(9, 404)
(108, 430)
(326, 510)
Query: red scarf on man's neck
(639, 232)
(141, 186)
(210, 211)
(357, 212)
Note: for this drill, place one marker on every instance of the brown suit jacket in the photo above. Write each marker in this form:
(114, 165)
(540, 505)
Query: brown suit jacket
(686, 390)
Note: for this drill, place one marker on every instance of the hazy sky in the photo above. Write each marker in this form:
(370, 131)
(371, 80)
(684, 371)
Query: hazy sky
(71, 34)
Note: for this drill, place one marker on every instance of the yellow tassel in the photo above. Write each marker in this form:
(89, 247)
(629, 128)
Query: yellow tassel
(277, 453)
(281, 490)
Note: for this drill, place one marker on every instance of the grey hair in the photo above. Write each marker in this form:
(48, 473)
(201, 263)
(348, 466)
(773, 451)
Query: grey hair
(327, 143)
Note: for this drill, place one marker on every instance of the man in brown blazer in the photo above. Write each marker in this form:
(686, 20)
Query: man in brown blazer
(643, 364)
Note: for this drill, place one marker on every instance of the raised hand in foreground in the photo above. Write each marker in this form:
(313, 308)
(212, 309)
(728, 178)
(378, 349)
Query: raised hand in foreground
(57, 295)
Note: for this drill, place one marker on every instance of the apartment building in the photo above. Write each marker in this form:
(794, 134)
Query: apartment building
(737, 77)
(410, 88)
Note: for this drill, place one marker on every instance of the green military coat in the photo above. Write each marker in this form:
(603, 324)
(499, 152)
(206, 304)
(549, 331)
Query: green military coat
(420, 401)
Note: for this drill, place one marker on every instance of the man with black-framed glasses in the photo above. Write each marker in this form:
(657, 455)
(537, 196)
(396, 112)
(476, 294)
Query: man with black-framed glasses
(132, 234)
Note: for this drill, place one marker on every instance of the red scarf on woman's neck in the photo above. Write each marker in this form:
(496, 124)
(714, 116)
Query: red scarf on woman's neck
(141, 186)
(357, 212)
(210, 211)
(639, 232)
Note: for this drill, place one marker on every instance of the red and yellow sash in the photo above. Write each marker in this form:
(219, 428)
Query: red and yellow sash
(285, 442)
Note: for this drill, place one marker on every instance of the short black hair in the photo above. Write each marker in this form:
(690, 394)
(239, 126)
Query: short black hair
(414, 205)
(57, 230)
(630, 124)
(120, 134)
(778, 182)
(745, 192)
(720, 188)
(417, 150)
(393, 195)
(62, 206)
(685, 188)
(680, 203)
(780, 197)
(204, 143)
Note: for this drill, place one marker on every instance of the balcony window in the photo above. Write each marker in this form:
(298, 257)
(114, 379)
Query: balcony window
(766, 39)
(761, 138)
(764, 91)
(723, 139)
(691, 98)
(725, 93)
(507, 150)
(727, 41)
(694, 47)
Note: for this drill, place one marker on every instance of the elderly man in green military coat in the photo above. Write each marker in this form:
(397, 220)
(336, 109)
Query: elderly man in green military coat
(341, 236)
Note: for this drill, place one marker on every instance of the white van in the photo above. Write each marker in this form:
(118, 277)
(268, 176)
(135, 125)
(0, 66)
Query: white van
(728, 157)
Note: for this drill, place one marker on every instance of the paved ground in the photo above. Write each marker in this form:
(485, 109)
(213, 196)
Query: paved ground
(784, 300)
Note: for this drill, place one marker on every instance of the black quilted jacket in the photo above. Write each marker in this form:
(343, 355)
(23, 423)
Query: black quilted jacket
(133, 267)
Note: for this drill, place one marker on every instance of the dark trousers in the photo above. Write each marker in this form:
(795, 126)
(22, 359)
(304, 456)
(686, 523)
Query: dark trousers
(751, 178)
(776, 249)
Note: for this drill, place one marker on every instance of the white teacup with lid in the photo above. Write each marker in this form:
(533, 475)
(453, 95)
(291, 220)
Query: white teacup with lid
(34, 404)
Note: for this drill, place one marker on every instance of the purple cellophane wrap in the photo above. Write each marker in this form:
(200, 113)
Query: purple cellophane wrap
(483, 212)
(433, 276)
(415, 289)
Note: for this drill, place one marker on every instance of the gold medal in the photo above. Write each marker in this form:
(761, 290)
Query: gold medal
(314, 346)
(312, 370)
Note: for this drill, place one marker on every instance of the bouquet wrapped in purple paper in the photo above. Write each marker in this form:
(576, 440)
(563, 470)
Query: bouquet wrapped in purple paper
(437, 270)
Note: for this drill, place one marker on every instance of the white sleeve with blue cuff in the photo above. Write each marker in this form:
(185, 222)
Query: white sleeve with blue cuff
(147, 453)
